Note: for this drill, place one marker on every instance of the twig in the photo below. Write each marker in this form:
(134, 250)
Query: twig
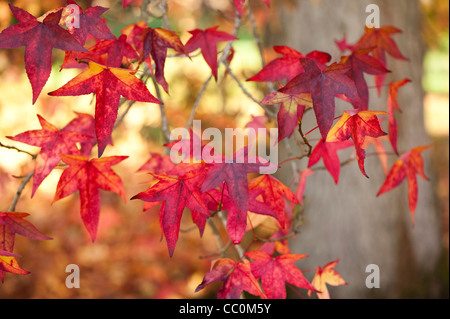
(164, 124)
(257, 41)
(269, 112)
(33, 156)
(305, 140)
(25, 181)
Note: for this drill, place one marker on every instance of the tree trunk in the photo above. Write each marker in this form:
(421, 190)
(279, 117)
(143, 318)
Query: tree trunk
(348, 221)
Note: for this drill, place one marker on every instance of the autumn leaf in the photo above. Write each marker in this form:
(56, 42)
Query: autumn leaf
(288, 66)
(361, 62)
(89, 23)
(10, 264)
(206, 40)
(357, 125)
(84, 124)
(380, 39)
(291, 110)
(233, 172)
(156, 43)
(108, 84)
(117, 50)
(176, 193)
(12, 223)
(324, 276)
(392, 106)
(323, 86)
(273, 192)
(406, 167)
(236, 277)
(52, 143)
(327, 151)
(39, 38)
(88, 176)
(276, 271)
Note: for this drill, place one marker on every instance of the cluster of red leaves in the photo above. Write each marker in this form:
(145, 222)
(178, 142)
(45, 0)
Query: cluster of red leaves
(310, 82)
(109, 67)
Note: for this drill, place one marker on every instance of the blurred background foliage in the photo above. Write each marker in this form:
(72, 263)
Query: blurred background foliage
(129, 258)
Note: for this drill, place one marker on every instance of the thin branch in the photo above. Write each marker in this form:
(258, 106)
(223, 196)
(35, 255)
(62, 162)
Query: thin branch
(33, 156)
(305, 140)
(269, 112)
(164, 123)
(257, 41)
(197, 102)
(22, 185)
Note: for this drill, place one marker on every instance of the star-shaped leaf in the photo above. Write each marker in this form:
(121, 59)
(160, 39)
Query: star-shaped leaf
(87, 177)
(276, 271)
(108, 84)
(39, 38)
(52, 143)
(357, 125)
(236, 277)
(89, 23)
(324, 276)
(328, 152)
(323, 86)
(176, 193)
(406, 167)
(206, 40)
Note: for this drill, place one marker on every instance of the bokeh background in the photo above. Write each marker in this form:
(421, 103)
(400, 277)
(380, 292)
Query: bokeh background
(130, 260)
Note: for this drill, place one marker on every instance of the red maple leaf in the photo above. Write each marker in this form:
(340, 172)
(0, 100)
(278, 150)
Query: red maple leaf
(84, 124)
(52, 143)
(10, 264)
(236, 277)
(88, 176)
(39, 38)
(380, 39)
(117, 50)
(156, 43)
(206, 40)
(392, 106)
(108, 84)
(12, 223)
(291, 110)
(328, 152)
(176, 193)
(357, 125)
(233, 172)
(276, 271)
(406, 167)
(288, 66)
(361, 62)
(273, 192)
(324, 276)
(323, 85)
(89, 23)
